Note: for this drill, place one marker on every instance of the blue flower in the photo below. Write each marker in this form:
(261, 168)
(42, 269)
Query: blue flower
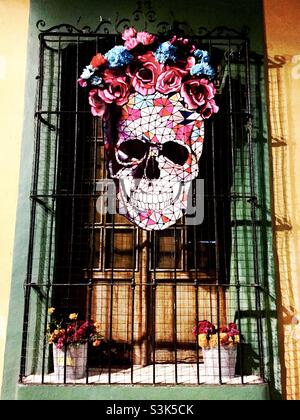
(118, 56)
(202, 55)
(202, 69)
(165, 52)
(96, 81)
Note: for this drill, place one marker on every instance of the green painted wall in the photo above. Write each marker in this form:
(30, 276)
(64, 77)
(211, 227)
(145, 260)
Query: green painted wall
(110, 393)
(229, 13)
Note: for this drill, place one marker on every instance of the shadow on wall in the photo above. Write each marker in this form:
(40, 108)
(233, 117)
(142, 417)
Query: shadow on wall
(282, 89)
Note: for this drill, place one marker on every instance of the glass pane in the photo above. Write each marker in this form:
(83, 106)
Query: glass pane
(166, 249)
(201, 254)
(119, 249)
(95, 237)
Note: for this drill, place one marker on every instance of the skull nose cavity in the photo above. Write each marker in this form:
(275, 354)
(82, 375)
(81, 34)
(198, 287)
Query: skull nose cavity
(152, 169)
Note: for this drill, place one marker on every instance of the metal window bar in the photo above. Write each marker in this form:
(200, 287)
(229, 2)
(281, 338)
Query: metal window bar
(74, 159)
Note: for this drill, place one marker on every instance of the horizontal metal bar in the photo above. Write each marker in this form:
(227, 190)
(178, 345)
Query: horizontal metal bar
(169, 282)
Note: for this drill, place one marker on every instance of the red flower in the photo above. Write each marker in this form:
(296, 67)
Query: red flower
(96, 102)
(145, 73)
(205, 327)
(98, 60)
(223, 329)
(170, 80)
(197, 92)
(117, 89)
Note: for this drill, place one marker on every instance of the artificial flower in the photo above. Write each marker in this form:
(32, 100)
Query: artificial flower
(211, 337)
(145, 74)
(172, 66)
(98, 60)
(82, 82)
(190, 62)
(131, 43)
(202, 55)
(208, 109)
(96, 81)
(129, 33)
(201, 69)
(96, 102)
(165, 52)
(170, 80)
(118, 56)
(145, 38)
(73, 316)
(202, 340)
(197, 92)
(87, 72)
(117, 89)
(51, 311)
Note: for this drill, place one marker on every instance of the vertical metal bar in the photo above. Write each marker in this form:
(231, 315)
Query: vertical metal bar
(112, 253)
(234, 202)
(133, 287)
(175, 304)
(53, 202)
(92, 256)
(153, 303)
(27, 291)
(253, 214)
(71, 253)
(215, 200)
(196, 282)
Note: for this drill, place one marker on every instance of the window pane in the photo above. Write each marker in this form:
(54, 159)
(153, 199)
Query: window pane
(166, 249)
(119, 249)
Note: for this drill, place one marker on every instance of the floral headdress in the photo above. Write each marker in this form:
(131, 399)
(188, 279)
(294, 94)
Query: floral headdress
(146, 66)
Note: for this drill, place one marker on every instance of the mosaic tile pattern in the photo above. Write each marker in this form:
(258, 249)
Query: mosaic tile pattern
(158, 148)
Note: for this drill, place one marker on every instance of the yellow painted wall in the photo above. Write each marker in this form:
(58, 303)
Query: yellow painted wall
(282, 20)
(13, 43)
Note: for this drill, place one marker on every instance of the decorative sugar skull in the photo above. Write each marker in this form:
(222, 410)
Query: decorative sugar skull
(155, 158)
(159, 95)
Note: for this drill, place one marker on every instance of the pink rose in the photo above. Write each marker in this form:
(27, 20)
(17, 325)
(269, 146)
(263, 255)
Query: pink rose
(144, 76)
(191, 61)
(208, 109)
(96, 102)
(170, 80)
(145, 38)
(129, 33)
(131, 43)
(82, 82)
(117, 89)
(197, 92)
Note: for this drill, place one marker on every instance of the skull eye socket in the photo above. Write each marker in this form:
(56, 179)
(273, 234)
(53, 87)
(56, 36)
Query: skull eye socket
(175, 152)
(131, 150)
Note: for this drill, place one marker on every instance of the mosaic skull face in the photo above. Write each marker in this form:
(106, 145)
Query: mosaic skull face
(155, 158)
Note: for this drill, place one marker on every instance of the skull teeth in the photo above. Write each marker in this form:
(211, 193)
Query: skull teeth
(151, 198)
(150, 206)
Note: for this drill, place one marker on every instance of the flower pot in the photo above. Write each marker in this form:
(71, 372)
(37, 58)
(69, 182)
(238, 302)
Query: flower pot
(74, 357)
(228, 356)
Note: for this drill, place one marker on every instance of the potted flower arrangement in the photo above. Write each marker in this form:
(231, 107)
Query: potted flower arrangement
(69, 337)
(212, 340)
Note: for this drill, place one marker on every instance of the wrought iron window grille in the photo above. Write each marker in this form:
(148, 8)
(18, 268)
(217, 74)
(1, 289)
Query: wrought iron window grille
(147, 290)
